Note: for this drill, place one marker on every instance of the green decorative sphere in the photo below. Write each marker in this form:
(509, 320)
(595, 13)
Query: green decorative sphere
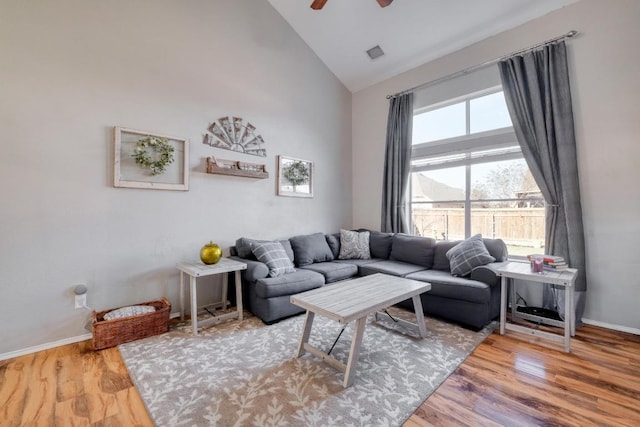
(210, 253)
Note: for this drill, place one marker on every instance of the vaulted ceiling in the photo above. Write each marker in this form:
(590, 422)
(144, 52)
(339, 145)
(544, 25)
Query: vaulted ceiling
(410, 32)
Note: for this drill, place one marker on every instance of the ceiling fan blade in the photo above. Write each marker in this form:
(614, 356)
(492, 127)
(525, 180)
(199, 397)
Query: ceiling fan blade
(384, 3)
(318, 4)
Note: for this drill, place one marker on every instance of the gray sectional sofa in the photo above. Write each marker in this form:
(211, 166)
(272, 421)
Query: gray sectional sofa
(472, 300)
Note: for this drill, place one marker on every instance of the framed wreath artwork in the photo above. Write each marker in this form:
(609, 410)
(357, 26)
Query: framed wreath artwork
(295, 177)
(148, 160)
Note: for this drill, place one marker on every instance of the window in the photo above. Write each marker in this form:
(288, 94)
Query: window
(468, 175)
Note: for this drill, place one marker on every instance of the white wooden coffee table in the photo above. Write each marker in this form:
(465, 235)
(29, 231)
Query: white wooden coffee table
(199, 269)
(355, 300)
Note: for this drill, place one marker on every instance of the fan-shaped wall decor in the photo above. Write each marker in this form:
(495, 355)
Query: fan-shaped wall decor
(230, 133)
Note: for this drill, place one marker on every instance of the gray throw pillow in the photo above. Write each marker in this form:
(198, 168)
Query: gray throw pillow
(354, 245)
(244, 247)
(310, 248)
(467, 255)
(274, 256)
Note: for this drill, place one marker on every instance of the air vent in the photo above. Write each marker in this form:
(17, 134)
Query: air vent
(375, 52)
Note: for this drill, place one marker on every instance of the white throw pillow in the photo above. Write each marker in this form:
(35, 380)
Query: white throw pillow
(354, 245)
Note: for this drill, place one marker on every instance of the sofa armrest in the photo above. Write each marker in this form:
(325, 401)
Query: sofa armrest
(255, 269)
(485, 274)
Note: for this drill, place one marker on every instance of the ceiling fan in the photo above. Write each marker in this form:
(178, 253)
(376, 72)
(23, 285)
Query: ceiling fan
(319, 4)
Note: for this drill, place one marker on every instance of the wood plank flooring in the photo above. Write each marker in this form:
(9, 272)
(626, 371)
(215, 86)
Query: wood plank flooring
(508, 381)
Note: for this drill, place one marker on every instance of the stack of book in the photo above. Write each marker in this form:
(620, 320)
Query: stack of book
(551, 262)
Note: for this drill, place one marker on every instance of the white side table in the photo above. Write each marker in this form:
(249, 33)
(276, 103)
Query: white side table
(199, 269)
(522, 271)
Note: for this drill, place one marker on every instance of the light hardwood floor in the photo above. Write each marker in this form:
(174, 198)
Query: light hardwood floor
(506, 381)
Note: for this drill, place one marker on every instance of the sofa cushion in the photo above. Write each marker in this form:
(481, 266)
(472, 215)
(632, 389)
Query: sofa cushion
(380, 244)
(497, 248)
(445, 285)
(354, 245)
(333, 240)
(274, 256)
(394, 268)
(288, 284)
(412, 249)
(244, 247)
(333, 271)
(310, 248)
(467, 255)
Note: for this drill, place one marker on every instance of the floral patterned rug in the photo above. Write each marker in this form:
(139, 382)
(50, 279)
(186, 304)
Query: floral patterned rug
(245, 373)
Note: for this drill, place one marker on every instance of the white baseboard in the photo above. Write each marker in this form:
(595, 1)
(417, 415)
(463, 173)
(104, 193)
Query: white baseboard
(45, 346)
(620, 328)
(54, 344)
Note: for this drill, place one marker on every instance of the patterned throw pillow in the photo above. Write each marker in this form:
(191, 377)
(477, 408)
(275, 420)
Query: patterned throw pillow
(467, 255)
(354, 245)
(133, 310)
(274, 256)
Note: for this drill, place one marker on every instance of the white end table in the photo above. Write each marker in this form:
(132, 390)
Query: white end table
(199, 269)
(522, 270)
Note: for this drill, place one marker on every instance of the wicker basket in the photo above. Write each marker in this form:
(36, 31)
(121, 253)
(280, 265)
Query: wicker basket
(109, 333)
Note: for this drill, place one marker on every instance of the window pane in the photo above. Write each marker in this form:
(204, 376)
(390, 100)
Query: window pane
(438, 185)
(507, 179)
(521, 228)
(489, 112)
(440, 221)
(441, 123)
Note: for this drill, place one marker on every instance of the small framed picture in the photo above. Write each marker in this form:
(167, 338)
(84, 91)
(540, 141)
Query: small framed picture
(149, 160)
(295, 177)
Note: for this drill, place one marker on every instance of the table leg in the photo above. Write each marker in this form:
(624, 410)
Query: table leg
(354, 353)
(417, 306)
(503, 304)
(194, 305)
(514, 300)
(568, 316)
(225, 289)
(239, 295)
(181, 296)
(306, 330)
(573, 310)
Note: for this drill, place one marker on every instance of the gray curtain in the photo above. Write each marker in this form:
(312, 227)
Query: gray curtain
(536, 87)
(397, 164)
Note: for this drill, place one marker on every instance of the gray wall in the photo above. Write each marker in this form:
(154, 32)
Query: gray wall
(71, 70)
(604, 62)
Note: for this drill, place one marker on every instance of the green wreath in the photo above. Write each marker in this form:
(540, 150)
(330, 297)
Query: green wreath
(297, 173)
(162, 150)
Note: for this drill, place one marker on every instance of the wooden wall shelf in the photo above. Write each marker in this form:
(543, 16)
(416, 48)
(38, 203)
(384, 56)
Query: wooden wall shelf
(235, 168)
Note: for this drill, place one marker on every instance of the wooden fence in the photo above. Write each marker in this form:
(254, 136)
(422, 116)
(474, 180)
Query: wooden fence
(516, 226)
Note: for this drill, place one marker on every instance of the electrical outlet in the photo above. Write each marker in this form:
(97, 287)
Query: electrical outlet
(81, 300)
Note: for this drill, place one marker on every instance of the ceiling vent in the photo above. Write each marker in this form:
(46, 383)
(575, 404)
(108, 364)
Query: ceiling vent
(375, 52)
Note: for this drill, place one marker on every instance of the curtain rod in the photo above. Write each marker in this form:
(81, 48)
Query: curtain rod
(568, 35)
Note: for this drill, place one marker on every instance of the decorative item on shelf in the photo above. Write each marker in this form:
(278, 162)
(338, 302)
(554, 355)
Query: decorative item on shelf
(236, 168)
(295, 177)
(210, 253)
(150, 161)
(232, 134)
(160, 150)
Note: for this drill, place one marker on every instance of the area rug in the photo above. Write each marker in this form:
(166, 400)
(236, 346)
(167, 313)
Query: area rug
(246, 373)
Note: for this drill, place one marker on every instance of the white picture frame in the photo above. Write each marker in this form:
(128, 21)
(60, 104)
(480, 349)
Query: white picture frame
(285, 186)
(128, 174)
